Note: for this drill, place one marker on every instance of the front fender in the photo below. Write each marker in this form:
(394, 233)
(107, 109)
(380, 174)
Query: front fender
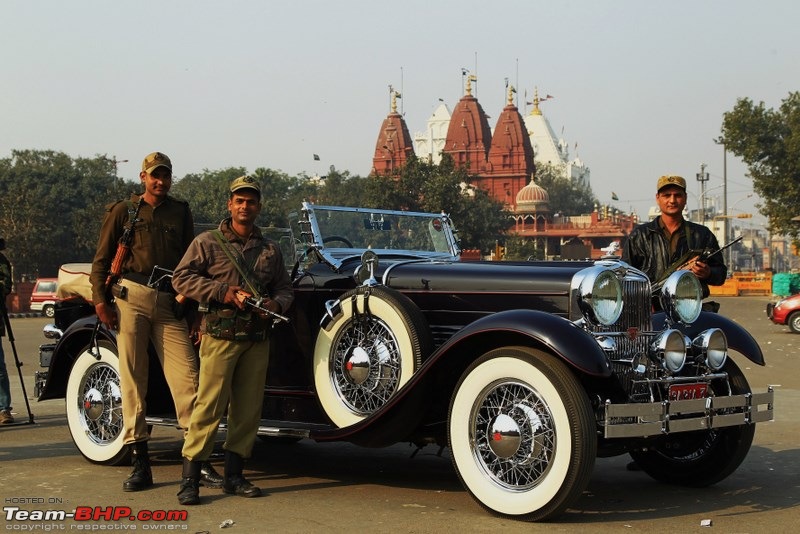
(562, 337)
(67, 349)
(558, 335)
(739, 339)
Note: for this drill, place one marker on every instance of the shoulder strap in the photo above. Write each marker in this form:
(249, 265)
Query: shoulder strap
(225, 244)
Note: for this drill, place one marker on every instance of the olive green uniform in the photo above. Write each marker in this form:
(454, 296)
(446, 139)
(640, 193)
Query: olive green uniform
(234, 350)
(161, 235)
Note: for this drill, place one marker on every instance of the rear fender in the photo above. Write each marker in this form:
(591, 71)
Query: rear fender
(739, 339)
(560, 336)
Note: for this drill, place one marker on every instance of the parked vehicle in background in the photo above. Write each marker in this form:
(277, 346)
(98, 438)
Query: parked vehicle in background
(786, 312)
(43, 298)
(528, 371)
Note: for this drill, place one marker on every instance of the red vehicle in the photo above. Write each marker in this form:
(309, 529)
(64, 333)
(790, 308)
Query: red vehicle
(786, 311)
(43, 298)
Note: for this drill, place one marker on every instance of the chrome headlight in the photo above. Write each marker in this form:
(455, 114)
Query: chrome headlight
(600, 296)
(712, 346)
(670, 350)
(682, 297)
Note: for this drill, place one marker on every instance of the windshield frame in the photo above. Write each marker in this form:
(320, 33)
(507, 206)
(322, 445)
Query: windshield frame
(313, 232)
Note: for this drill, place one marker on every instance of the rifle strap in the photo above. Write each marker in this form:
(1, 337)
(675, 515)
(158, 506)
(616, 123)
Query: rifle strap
(133, 211)
(226, 247)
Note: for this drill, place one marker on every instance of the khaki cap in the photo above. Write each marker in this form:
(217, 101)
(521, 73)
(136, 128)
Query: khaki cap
(666, 180)
(246, 182)
(155, 160)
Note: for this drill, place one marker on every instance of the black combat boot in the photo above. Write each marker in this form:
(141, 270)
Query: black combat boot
(190, 483)
(235, 483)
(141, 477)
(209, 476)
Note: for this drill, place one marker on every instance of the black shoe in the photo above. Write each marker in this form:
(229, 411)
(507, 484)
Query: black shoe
(209, 477)
(190, 491)
(238, 485)
(141, 477)
(190, 483)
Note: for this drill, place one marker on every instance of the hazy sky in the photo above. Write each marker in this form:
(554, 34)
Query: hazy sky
(641, 86)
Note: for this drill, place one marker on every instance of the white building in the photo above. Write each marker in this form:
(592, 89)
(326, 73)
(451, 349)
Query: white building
(428, 145)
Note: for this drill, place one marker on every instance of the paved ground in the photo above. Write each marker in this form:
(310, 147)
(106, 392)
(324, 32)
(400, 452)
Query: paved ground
(342, 488)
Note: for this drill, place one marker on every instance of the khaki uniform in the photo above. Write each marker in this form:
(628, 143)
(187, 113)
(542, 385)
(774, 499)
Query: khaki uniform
(233, 359)
(146, 314)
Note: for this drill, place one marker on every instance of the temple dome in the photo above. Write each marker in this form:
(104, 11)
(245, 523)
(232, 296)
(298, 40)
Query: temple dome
(532, 194)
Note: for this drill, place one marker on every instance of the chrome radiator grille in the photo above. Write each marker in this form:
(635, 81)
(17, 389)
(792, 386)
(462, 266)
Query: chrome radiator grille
(636, 318)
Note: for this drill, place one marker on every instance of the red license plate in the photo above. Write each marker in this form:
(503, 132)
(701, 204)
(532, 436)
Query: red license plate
(687, 391)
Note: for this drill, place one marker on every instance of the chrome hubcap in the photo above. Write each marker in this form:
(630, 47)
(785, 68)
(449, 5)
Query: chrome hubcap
(365, 368)
(101, 404)
(513, 435)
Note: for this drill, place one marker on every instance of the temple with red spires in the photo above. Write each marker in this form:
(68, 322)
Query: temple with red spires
(394, 144)
(503, 163)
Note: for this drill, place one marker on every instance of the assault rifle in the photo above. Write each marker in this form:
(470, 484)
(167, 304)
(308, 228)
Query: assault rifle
(688, 259)
(123, 248)
(258, 305)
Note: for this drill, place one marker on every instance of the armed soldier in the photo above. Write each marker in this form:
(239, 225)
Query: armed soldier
(148, 230)
(227, 268)
(652, 247)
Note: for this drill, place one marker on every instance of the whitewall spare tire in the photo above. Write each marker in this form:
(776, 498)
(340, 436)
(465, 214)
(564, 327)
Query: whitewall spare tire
(370, 343)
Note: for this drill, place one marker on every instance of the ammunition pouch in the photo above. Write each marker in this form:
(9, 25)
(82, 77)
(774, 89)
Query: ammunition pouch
(233, 324)
(119, 292)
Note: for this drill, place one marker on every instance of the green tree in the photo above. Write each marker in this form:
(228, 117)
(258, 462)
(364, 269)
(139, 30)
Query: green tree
(768, 141)
(566, 196)
(207, 193)
(519, 248)
(423, 186)
(51, 207)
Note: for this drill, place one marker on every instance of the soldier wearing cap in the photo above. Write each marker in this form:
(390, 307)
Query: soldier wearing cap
(163, 229)
(652, 247)
(219, 265)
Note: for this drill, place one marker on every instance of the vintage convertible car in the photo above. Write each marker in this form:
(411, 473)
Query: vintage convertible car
(527, 371)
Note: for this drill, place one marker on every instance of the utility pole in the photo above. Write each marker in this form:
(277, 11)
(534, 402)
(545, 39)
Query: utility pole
(702, 177)
(116, 162)
(727, 227)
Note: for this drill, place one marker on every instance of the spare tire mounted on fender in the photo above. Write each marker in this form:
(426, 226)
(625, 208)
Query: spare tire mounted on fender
(370, 343)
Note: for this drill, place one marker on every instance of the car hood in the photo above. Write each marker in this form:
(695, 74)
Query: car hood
(525, 277)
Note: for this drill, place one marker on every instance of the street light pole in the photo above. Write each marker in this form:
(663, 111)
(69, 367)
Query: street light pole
(116, 162)
(727, 227)
(702, 177)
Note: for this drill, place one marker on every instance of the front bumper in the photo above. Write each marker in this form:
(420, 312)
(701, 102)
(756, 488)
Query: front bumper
(641, 420)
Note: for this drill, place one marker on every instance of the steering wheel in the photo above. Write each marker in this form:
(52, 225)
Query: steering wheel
(337, 238)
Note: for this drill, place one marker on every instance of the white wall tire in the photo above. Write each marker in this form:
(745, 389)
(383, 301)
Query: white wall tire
(370, 344)
(94, 406)
(522, 434)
